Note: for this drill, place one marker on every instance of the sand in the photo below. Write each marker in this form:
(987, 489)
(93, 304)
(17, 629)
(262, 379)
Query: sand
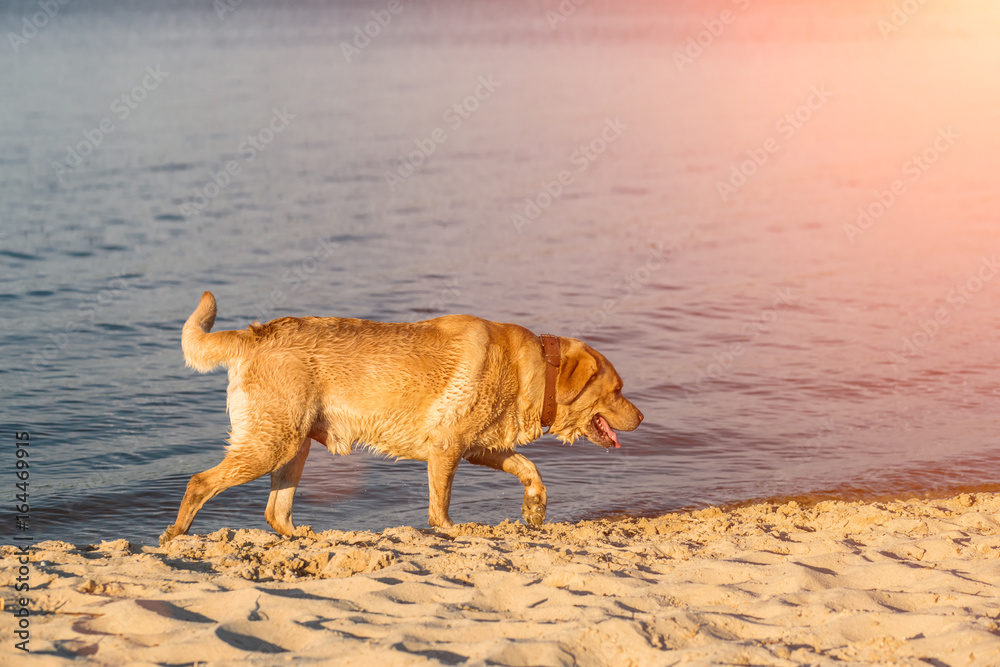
(897, 583)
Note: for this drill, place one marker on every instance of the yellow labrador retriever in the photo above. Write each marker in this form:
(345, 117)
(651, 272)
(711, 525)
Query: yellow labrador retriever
(455, 387)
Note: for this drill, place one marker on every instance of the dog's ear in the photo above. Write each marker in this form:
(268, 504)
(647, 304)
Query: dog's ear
(577, 369)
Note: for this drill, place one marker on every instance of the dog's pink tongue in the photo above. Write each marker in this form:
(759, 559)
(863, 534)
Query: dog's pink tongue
(607, 430)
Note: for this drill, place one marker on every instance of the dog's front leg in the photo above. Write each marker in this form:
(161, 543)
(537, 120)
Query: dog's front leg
(442, 462)
(535, 498)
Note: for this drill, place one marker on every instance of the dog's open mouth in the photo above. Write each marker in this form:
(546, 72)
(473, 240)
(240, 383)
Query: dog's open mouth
(605, 435)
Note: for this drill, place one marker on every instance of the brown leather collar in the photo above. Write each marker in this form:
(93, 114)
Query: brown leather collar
(550, 349)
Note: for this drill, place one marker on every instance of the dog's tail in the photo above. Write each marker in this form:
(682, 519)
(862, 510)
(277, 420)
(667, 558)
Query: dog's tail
(204, 351)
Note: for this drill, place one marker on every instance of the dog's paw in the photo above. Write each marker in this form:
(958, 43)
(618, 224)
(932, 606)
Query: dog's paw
(169, 534)
(533, 510)
(440, 521)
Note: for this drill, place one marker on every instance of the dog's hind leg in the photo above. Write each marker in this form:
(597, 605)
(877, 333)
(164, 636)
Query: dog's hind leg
(247, 459)
(533, 508)
(284, 480)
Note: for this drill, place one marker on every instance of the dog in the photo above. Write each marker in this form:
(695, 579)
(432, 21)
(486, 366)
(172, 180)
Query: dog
(441, 390)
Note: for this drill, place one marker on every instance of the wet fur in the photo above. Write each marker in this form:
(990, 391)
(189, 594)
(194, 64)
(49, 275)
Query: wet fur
(437, 391)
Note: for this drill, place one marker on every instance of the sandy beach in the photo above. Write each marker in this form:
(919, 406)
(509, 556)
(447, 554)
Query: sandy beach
(904, 583)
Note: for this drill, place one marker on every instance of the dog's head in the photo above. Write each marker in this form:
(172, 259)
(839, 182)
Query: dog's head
(589, 397)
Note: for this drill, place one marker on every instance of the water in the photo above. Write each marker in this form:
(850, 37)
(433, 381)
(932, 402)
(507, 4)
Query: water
(864, 359)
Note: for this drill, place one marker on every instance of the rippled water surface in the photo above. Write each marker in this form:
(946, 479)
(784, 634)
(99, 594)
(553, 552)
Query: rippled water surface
(691, 210)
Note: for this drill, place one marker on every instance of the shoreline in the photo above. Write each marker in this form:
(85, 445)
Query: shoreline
(898, 582)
